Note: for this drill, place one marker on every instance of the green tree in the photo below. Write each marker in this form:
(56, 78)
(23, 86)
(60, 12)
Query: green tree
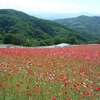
(73, 40)
(8, 38)
(57, 40)
(42, 43)
(1, 37)
(19, 39)
(28, 42)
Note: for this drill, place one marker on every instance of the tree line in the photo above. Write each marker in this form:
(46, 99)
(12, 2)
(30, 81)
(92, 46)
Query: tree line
(19, 39)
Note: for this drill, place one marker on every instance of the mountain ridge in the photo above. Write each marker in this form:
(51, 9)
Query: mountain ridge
(82, 23)
(54, 16)
(17, 27)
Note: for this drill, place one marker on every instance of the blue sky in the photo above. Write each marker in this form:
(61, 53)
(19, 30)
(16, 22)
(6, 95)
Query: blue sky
(55, 6)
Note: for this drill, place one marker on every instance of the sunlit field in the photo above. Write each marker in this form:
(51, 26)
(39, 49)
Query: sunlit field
(69, 73)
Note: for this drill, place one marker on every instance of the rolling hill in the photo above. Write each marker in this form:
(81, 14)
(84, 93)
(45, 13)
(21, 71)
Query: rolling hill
(19, 28)
(90, 25)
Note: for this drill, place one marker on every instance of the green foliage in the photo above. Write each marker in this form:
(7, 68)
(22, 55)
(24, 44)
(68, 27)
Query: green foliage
(42, 43)
(31, 31)
(89, 27)
(46, 42)
(28, 43)
(18, 39)
(1, 37)
(85, 23)
(73, 40)
(8, 38)
(57, 40)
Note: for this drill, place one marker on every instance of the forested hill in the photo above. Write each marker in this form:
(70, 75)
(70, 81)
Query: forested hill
(83, 23)
(22, 29)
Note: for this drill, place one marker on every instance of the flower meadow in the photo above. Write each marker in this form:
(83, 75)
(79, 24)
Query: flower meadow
(69, 73)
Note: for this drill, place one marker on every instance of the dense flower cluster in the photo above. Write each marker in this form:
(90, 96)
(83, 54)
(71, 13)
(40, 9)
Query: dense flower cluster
(69, 73)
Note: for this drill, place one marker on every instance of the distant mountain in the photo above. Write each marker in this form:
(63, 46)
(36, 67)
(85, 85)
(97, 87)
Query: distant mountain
(22, 29)
(83, 23)
(54, 16)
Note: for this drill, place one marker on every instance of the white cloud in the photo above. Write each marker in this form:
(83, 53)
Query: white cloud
(58, 6)
(52, 6)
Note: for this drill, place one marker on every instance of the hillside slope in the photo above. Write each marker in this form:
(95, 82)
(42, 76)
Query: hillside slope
(20, 28)
(83, 23)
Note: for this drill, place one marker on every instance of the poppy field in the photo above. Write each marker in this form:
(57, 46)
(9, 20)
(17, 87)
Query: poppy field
(69, 73)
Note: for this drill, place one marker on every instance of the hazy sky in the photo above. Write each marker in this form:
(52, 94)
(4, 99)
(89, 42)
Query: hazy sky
(56, 6)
